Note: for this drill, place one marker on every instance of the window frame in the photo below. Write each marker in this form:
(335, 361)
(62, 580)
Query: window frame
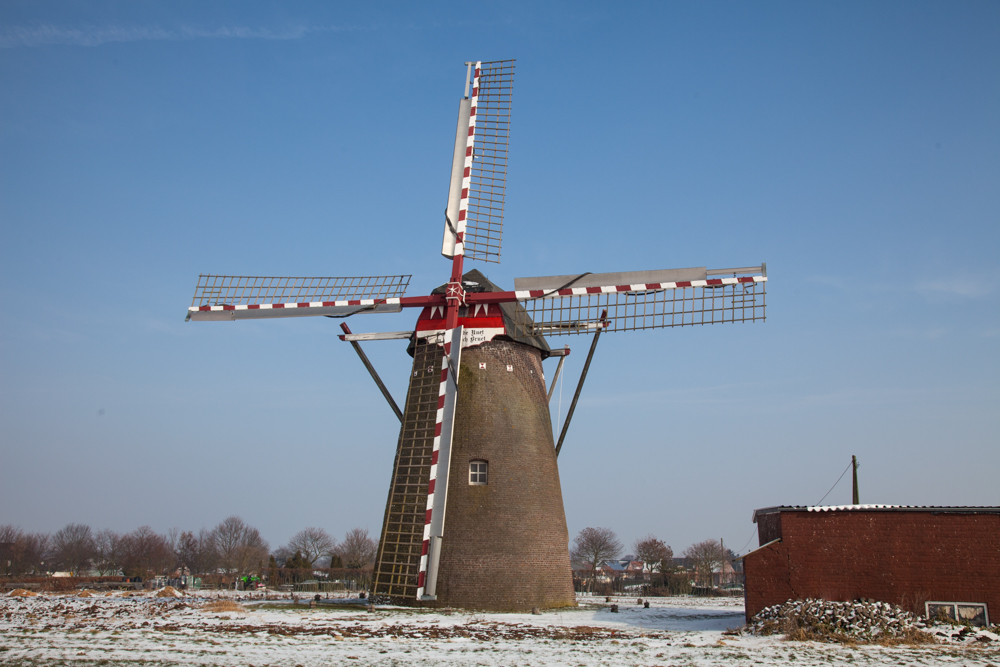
(475, 472)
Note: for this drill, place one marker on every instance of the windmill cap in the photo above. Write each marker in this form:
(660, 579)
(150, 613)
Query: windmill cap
(474, 281)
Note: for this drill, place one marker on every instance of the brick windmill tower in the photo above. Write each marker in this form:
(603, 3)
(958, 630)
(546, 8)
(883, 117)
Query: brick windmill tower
(476, 436)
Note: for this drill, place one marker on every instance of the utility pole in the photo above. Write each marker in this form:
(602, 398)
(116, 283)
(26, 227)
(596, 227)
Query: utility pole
(722, 568)
(854, 473)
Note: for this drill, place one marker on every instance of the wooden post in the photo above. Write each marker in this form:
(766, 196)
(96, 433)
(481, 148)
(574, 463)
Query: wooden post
(583, 378)
(854, 473)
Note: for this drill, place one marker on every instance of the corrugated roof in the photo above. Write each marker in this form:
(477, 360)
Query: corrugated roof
(945, 509)
(834, 508)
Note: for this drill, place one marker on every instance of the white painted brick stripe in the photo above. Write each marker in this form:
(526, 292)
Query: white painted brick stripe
(525, 295)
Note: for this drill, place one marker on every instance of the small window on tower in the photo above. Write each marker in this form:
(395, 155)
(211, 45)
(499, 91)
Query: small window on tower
(477, 473)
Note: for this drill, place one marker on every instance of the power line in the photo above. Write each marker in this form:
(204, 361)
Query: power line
(751, 537)
(835, 483)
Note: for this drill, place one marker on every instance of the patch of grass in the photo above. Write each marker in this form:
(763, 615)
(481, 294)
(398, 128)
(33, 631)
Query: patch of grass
(270, 606)
(222, 605)
(828, 634)
(910, 637)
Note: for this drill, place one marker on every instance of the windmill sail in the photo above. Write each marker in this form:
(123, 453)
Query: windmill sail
(479, 172)
(557, 305)
(256, 297)
(489, 163)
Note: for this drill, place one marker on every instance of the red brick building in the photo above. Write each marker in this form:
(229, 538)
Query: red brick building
(897, 554)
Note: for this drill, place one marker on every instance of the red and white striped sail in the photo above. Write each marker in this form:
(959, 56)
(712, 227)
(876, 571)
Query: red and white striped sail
(256, 297)
(455, 216)
(473, 224)
(555, 305)
(479, 167)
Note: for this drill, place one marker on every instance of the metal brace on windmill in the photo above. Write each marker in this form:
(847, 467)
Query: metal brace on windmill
(476, 436)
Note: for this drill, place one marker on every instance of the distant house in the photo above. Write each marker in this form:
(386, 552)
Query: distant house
(681, 564)
(725, 576)
(611, 569)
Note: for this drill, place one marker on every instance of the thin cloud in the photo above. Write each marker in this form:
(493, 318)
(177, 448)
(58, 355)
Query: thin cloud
(965, 286)
(829, 281)
(42, 35)
(969, 285)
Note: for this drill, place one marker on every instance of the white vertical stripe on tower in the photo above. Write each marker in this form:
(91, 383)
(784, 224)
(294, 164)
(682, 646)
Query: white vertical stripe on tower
(437, 491)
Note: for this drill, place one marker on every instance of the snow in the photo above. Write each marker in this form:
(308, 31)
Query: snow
(117, 628)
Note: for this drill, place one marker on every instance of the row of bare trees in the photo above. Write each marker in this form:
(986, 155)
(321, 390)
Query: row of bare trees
(314, 547)
(708, 556)
(232, 547)
(593, 546)
(21, 552)
(76, 548)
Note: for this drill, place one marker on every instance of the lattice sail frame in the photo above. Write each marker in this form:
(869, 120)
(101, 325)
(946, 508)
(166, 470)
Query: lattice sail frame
(484, 221)
(257, 290)
(643, 306)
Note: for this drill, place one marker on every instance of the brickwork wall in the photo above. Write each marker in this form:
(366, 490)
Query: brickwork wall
(769, 527)
(904, 558)
(506, 546)
(765, 579)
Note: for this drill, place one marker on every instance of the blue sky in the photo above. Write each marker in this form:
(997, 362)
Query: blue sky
(854, 147)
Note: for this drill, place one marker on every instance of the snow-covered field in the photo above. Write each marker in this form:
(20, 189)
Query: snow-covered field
(113, 629)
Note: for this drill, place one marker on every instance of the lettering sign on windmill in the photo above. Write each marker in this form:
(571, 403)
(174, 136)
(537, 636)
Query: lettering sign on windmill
(474, 515)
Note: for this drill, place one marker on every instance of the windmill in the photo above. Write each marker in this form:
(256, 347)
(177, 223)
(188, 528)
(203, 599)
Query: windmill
(476, 435)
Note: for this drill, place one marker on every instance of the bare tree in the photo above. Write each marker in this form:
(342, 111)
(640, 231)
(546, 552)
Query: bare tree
(593, 546)
(28, 553)
(186, 550)
(313, 543)
(21, 552)
(358, 550)
(145, 553)
(73, 547)
(10, 543)
(174, 542)
(707, 557)
(653, 553)
(282, 554)
(108, 552)
(197, 552)
(229, 538)
(207, 552)
(240, 547)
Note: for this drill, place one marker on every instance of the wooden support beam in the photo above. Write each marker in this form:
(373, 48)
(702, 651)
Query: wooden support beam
(371, 370)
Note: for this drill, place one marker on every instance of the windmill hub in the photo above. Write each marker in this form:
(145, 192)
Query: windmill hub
(475, 445)
(455, 294)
